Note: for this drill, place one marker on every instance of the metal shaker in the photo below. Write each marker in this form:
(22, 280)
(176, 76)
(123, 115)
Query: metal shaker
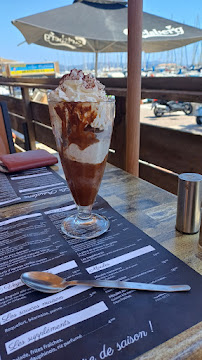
(188, 218)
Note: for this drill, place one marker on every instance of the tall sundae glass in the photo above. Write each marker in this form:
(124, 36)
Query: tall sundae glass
(82, 119)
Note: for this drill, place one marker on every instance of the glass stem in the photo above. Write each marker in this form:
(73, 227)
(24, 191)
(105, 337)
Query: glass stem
(84, 212)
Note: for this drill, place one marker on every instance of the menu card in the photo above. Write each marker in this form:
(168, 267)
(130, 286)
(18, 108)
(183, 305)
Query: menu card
(29, 185)
(84, 323)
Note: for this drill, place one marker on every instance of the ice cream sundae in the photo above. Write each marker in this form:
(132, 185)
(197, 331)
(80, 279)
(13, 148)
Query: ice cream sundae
(82, 121)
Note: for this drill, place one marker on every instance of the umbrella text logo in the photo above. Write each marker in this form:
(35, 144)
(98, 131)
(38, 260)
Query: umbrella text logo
(63, 40)
(168, 31)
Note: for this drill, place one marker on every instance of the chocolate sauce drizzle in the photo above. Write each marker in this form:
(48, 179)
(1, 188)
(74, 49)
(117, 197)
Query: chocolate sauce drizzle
(76, 119)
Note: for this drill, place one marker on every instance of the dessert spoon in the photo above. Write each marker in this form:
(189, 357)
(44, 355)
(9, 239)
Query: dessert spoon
(49, 283)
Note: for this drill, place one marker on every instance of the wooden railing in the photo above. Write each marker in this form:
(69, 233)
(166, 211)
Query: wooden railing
(164, 153)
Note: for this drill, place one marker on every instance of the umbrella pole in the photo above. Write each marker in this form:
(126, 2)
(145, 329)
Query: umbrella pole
(134, 85)
(96, 63)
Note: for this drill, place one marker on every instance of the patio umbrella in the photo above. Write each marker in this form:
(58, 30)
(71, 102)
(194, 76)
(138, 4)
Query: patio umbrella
(101, 26)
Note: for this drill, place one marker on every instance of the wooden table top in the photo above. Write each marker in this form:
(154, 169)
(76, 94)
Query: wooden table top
(153, 210)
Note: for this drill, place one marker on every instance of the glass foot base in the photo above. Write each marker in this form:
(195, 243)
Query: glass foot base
(89, 228)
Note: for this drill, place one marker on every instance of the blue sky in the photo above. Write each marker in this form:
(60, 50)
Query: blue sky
(180, 10)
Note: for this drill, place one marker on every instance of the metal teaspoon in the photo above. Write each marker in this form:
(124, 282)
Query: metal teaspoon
(50, 283)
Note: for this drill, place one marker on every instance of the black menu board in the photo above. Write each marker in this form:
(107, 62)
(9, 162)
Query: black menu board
(30, 185)
(84, 323)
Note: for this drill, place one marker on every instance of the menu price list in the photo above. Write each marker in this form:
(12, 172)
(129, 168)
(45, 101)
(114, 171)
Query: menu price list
(81, 322)
(30, 185)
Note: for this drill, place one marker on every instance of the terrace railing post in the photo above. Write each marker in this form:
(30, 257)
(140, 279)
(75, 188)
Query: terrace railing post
(28, 118)
(133, 86)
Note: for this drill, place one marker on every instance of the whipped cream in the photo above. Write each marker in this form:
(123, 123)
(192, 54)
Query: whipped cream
(78, 87)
